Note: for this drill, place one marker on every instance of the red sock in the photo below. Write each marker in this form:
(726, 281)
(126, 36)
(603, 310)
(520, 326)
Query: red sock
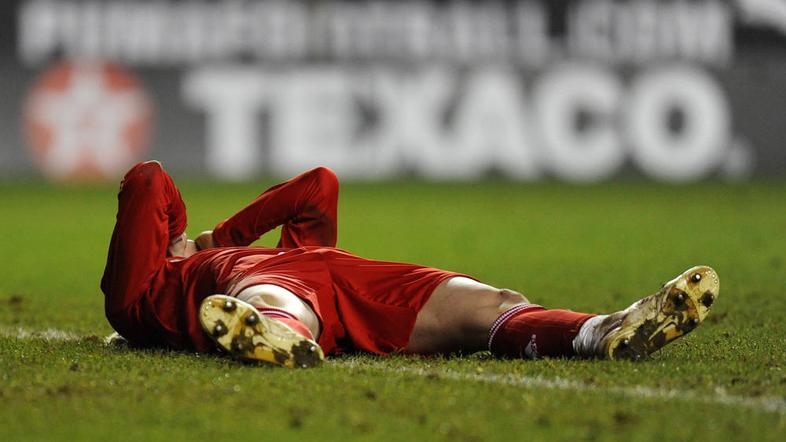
(531, 331)
(286, 318)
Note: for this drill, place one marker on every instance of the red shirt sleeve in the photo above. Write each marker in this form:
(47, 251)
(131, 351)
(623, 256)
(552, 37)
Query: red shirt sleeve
(150, 214)
(306, 206)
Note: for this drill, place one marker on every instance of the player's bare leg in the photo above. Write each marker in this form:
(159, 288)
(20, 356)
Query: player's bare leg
(459, 315)
(264, 323)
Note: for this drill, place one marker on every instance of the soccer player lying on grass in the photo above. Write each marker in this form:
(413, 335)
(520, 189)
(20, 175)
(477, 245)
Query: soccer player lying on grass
(293, 304)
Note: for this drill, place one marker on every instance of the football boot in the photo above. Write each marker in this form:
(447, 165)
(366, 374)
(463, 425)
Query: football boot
(652, 322)
(238, 328)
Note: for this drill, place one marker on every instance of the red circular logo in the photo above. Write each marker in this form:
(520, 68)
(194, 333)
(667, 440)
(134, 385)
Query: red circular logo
(87, 121)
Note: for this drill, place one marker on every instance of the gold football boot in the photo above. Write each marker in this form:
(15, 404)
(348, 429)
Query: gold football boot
(652, 322)
(238, 328)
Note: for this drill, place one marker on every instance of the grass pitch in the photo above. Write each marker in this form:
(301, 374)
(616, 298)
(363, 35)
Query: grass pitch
(594, 248)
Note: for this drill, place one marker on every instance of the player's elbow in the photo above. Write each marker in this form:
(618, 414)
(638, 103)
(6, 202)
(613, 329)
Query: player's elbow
(144, 175)
(326, 178)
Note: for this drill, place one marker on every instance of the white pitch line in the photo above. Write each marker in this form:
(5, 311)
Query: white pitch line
(764, 403)
(770, 404)
(49, 334)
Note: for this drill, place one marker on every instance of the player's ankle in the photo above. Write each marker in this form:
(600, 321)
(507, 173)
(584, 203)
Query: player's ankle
(288, 319)
(587, 340)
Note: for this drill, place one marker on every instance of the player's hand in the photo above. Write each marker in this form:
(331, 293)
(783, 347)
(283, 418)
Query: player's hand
(205, 240)
(177, 246)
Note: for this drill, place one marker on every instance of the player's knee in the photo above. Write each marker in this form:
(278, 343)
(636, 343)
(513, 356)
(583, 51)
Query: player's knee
(510, 298)
(476, 323)
(487, 308)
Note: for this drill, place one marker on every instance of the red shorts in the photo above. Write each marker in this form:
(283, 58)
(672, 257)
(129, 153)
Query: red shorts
(362, 304)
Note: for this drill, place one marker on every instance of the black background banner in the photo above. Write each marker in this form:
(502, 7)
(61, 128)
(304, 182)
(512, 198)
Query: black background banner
(577, 90)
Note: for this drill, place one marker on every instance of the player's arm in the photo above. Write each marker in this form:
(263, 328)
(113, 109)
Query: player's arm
(306, 207)
(151, 214)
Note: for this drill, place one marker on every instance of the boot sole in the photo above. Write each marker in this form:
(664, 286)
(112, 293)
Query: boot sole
(677, 309)
(238, 328)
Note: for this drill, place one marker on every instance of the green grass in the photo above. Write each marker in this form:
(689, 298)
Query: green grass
(591, 248)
